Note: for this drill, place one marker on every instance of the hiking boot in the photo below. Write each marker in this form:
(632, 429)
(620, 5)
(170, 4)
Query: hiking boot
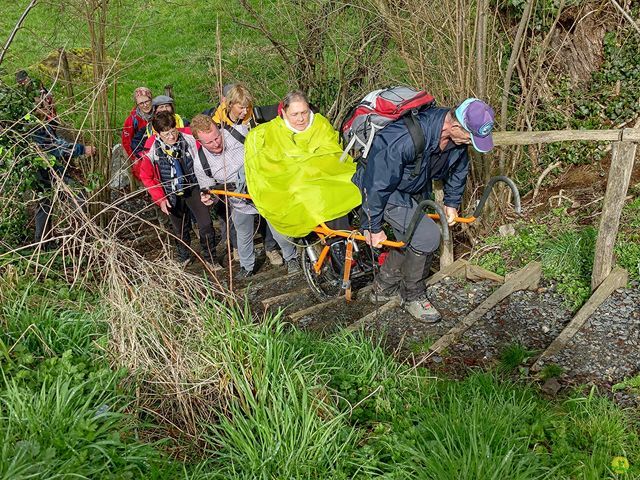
(293, 266)
(422, 309)
(378, 295)
(275, 258)
(244, 273)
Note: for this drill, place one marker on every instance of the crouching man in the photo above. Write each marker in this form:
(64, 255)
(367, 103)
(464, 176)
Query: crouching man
(221, 160)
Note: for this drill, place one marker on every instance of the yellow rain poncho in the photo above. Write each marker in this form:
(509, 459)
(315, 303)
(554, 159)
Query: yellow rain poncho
(296, 180)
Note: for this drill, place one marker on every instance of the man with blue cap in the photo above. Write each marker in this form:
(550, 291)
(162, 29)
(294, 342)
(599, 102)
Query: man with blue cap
(394, 180)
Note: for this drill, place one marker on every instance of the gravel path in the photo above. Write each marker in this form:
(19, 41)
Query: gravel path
(530, 319)
(606, 350)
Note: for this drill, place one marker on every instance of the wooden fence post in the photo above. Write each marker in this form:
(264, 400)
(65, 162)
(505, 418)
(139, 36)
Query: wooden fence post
(168, 91)
(446, 248)
(622, 157)
(66, 73)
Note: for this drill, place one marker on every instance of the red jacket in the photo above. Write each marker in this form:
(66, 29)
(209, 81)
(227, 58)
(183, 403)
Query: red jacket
(148, 172)
(132, 124)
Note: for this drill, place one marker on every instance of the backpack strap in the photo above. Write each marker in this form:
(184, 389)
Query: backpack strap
(203, 161)
(417, 136)
(234, 133)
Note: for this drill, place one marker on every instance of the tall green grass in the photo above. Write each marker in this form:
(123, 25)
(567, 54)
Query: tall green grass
(289, 405)
(283, 421)
(61, 406)
(308, 407)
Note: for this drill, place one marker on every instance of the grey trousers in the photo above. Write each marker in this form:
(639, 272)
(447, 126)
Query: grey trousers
(426, 238)
(404, 270)
(244, 224)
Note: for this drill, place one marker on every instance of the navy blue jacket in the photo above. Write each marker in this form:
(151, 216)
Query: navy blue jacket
(387, 177)
(45, 137)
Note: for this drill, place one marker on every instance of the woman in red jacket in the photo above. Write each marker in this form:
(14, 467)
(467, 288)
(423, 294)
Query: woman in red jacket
(133, 132)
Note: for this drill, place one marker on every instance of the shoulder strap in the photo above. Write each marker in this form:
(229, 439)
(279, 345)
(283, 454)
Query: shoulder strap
(203, 161)
(234, 133)
(417, 136)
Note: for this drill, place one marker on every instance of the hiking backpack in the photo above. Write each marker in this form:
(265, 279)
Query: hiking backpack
(379, 108)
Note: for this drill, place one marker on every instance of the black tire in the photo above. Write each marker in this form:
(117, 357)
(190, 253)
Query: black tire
(326, 284)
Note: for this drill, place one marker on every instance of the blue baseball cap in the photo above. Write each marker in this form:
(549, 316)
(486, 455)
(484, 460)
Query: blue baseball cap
(477, 118)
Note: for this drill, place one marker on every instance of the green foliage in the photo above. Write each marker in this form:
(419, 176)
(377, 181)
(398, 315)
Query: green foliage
(61, 407)
(282, 420)
(591, 434)
(632, 384)
(627, 247)
(513, 356)
(565, 250)
(551, 370)
(609, 100)
(296, 406)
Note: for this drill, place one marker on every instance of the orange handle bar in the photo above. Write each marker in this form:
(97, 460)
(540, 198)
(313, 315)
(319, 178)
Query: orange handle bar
(471, 219)
(227, 193)
(323, 229)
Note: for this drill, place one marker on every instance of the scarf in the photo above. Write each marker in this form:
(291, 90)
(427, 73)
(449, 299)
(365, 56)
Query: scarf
(145, 116)
(174, 153)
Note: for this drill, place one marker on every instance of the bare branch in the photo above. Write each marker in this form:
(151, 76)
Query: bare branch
(626, 15)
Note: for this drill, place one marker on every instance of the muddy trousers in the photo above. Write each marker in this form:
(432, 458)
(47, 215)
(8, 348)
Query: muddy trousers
(43, 220)
(404, 270)
(221, 211)
(186, 205)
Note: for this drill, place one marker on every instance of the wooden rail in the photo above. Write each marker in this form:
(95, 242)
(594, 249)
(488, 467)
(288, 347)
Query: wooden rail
(505, 139)
(623, 154)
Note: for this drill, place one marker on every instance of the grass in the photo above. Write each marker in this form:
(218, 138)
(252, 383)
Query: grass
(61, 405)
(157, 44)
(565, 249)
(290, 405)
(513, 356)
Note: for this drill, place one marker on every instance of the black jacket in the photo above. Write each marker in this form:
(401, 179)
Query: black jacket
(387, 176)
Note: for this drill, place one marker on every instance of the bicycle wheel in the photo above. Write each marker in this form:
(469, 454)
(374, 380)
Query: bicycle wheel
(325, 284)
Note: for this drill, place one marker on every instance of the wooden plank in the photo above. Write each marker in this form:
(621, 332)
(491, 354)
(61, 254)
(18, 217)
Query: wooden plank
(318, 307)
(267, 302)
(296, 316)
(617, 279)
(453, 270)
(631, 135)
(362, 322)
(622, 158)
(552, 136)
(521, 280)
(256, 284)
(474, 273)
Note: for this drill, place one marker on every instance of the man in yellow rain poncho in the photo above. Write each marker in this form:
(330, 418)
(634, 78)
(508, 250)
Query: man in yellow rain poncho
(293, 169)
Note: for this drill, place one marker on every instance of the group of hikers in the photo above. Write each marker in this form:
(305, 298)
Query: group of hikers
(292, 167)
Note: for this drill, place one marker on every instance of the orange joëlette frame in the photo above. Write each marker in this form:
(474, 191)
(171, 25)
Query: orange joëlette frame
(327, 232)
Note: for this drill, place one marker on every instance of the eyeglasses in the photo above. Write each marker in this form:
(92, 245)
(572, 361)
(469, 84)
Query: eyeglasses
(169, 133)
(145, 103)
